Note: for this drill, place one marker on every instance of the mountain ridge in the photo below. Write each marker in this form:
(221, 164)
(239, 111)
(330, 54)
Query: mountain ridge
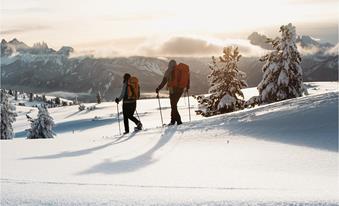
(42, 69)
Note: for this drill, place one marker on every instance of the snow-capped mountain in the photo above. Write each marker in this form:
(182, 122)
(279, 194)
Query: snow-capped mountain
(43, 69)
(309, 42)
(303, 41)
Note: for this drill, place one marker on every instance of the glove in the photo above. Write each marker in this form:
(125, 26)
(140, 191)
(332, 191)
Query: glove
(117, 100)
(157, 90)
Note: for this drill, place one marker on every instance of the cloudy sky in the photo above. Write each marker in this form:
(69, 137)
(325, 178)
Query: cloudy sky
(166, 27)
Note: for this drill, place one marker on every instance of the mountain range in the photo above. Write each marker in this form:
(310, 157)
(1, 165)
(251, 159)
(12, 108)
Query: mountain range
(42, 69)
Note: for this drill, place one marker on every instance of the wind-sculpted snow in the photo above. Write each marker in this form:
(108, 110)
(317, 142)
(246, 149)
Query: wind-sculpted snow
(276, 154)
(310, 121)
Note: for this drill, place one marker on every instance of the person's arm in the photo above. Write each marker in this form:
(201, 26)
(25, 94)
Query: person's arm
(123, 92)
(162, 84)
(138, 91)
(164, 80)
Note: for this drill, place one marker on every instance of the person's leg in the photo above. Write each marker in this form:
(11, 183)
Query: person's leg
(173, 107)
(176, 99)
(132, 107)
(125, 113)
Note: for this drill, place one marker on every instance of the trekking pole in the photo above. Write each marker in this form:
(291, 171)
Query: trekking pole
(189, 106)
(118, 119)
(137, 115)
(185, 99)
(162, 121)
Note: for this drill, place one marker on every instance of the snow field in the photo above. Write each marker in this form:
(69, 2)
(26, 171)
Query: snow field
(284, 153)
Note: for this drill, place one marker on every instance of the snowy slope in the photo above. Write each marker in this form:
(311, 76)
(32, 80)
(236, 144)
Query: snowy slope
(284, 153)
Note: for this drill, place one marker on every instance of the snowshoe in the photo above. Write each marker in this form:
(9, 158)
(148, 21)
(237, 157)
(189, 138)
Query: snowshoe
(170, 124)
(139, 126)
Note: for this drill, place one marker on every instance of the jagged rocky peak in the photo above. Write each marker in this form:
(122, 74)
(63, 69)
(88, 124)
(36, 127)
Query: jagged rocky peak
(259, 40)
(18, 45)
(40, 45)
(3, 41)
(308, 41)
(14, 41)
(65, 51)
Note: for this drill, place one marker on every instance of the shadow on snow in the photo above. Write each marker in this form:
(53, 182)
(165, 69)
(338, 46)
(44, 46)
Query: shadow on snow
(306, 122)
(76, 125)
(133, 164)
(82, 152)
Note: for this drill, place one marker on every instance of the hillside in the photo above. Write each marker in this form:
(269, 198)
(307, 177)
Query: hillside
(277, 154)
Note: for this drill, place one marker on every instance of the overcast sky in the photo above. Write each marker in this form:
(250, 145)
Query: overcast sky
(132, 27)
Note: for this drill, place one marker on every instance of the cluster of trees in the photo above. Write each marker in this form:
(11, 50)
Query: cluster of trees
(282, 77)
(50, 103)
(41, 127)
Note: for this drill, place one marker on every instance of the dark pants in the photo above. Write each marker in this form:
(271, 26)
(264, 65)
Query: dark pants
(175, 95)
(128, 110)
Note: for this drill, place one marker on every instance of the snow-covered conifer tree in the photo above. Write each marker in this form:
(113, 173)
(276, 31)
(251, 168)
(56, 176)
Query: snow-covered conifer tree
(8, 115)
(282, 78)
(226, 83)
(44, 99)
(57, 101)
(42, 126)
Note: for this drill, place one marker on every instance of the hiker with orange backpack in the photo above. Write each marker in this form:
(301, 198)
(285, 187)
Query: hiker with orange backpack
(178, 79)
(130, 93)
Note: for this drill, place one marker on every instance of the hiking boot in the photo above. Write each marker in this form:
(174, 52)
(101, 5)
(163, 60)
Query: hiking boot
(179, 122)
(171, 123)
(139, 126)
(125, 133)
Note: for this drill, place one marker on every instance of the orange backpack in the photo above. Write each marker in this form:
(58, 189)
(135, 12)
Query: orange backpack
(133, 89)
(180, 77)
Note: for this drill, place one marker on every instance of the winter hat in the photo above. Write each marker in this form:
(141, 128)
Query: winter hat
(126, 77)
(172, 64)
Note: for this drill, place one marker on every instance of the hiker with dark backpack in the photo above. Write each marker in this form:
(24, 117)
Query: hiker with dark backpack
(177, 78)
(130, 93)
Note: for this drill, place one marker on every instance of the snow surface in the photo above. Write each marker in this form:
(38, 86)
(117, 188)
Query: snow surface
(284, 153)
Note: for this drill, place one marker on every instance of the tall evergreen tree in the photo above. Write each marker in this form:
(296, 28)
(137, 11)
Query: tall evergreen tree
(226, 82)
(282, 78)
(31, 97)
(44, 99)
(8, 115)
(98, 97)
(42, 126)
(16, 95)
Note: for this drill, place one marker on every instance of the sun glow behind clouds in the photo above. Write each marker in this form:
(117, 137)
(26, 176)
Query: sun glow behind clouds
(75, 22)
